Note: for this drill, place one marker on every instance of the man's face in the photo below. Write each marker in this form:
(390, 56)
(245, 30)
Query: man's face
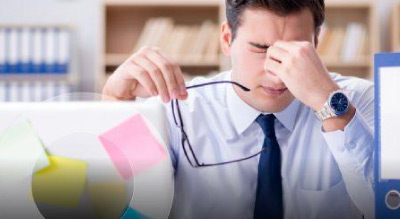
(261, 28)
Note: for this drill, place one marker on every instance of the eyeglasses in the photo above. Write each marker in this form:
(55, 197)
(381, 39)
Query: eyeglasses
(187, 147)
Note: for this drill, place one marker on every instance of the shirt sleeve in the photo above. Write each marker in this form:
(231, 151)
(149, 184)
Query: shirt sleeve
(353, 150)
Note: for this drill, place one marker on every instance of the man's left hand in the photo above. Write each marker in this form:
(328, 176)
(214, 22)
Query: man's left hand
(298, 65)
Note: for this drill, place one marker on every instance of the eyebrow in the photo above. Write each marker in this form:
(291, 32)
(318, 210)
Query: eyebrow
(260, 46)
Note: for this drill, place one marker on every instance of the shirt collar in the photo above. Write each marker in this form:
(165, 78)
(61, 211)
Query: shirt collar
(288, 116)
(243, 115)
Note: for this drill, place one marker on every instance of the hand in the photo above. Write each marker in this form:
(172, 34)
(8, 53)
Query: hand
(298, 65)
(149, 72)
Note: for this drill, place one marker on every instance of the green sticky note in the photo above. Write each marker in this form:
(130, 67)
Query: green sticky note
(21, 151)
(61, 183)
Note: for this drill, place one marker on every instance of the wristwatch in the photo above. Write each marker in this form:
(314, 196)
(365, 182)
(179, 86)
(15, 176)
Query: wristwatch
(337, 104)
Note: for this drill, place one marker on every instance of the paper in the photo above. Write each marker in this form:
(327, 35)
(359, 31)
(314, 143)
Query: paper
(132, 214)
(21, 154)
(20, 145)
(390, 119)
(61, 183)
(132, 147)
(108, 199)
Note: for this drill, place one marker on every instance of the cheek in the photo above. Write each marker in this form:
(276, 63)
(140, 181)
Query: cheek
(247, 66)
(248, 61)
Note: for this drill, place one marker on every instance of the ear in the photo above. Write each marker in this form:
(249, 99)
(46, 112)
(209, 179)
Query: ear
(226, 38)
(316, 40)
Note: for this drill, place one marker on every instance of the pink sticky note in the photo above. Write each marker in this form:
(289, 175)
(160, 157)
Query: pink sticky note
(132, 147)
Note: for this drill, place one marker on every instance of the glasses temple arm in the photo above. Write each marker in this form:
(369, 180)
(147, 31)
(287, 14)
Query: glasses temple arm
(220, 82)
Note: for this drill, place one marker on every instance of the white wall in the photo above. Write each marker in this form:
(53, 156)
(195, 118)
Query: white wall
(87, 15)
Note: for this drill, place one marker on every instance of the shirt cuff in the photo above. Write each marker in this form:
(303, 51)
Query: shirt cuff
(355, 142)
(353, 151)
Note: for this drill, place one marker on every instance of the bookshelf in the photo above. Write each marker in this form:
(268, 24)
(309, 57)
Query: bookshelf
(125, 20)
(349, 38)
(396, 28)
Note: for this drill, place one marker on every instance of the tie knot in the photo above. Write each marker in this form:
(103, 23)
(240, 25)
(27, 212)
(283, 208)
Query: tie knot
(267, 124)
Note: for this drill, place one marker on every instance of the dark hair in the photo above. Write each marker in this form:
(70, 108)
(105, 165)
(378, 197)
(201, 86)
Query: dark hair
(235, 9)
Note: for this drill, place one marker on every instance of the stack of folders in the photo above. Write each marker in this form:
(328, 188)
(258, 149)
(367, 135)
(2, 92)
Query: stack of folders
(34, 91)
(35, 50)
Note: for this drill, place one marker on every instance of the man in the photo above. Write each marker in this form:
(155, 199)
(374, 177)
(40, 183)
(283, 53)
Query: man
(298, 144)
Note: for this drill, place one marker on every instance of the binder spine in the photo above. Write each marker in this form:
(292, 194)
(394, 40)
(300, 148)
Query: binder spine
(3, 50)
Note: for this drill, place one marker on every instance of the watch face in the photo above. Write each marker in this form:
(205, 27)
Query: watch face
(339, 103)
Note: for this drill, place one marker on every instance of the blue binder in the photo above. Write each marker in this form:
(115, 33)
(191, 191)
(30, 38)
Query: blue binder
(387, 189)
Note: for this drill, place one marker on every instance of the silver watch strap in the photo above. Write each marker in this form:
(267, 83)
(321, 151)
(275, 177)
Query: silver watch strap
(325, 113)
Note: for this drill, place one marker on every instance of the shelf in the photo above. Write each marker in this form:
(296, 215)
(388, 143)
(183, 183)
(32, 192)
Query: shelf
(124, 21)
(124, 25)
(30, 77)
(348, 5)
(187, 77)
(396, 28)
(21, 25)
(118, 59)
(162, 3)
(362, 63)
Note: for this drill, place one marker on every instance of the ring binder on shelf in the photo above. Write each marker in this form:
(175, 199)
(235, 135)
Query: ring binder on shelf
(35, 50)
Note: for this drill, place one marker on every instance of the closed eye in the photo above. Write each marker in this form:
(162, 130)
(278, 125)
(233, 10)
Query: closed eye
(259, 48)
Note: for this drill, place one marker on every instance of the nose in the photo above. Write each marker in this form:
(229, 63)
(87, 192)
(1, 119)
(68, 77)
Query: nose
(273, 78)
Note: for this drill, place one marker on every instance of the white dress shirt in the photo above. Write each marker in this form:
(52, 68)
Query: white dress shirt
(324, 175)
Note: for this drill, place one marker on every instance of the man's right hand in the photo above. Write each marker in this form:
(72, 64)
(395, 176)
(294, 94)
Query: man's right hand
(149, 72)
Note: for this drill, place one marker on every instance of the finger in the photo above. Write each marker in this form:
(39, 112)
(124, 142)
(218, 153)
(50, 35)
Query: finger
(122, 72)
(177, 73)
(295, 52)
(286, 45)
(144, 79)
(113, 92)
(273, 66)
(302, 43)
(297, 48)
(120, 83)
(156, 76)
(150, 69)
(277, 53)
(167, 71)
(161, 85)
(277, 71)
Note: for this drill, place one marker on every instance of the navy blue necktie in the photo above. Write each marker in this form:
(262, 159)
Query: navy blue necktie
(269, 201)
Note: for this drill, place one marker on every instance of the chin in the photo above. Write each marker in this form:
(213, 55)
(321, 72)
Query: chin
(272, 104)
(272, 107)
(265, 102)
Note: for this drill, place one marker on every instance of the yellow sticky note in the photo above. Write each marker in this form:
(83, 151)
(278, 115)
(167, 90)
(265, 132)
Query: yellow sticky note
(109, 199)
(61, 183)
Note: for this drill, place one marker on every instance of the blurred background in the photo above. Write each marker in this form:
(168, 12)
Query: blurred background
(52, 47)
